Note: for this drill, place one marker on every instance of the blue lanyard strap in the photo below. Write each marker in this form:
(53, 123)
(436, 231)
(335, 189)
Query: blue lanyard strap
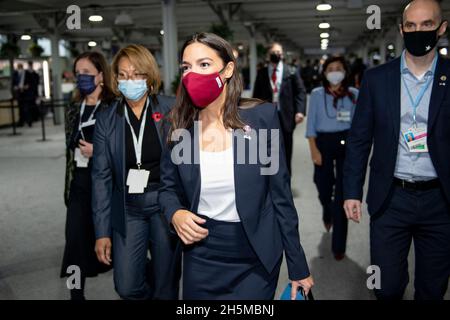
(415, 103)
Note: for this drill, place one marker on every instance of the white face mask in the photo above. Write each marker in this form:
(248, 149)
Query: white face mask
(335, 77)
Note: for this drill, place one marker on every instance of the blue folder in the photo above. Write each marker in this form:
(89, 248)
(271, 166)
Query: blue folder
(286, 295)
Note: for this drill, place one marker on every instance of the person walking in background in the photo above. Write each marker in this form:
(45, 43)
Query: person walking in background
(92, 95)
(331, 109)
(281, 84)
(25, 85)
(33, 92)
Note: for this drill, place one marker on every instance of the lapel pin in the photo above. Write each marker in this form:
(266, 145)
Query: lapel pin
(247, 129)
(157, 116)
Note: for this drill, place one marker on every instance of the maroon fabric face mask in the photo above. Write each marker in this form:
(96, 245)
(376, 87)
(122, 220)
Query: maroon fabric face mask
(203, 88)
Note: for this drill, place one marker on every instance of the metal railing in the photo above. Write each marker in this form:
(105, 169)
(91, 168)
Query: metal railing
(44, 107)
(13, 114)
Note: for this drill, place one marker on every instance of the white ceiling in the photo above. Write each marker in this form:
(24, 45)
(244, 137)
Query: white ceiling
(293, 22)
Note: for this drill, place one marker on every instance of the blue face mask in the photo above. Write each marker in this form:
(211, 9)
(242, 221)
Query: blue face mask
(86, 84)
(133, 89)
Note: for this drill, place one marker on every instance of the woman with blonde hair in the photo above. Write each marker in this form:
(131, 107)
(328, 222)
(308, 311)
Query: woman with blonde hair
(126, 180)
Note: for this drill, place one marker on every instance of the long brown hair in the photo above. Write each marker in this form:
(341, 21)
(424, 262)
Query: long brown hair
(184, 112)
(100, 63)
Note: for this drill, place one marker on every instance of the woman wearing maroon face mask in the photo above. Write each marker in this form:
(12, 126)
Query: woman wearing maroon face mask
(234, 220)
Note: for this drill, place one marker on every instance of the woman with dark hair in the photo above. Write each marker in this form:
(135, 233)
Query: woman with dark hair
(331, 111)
(234, 217)
(128, 222)
(92, 95)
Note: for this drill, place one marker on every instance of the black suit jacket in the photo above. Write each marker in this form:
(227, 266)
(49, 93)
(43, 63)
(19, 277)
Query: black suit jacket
(264, 202)
(292, 95)
(377, 123)
(31, 79)
(108, 167)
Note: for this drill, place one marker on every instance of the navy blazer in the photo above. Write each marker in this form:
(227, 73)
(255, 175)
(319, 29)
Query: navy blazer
(377, 122)
(264, 202)
(108, 168)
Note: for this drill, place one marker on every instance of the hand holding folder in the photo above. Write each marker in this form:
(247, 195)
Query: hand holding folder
(286, 295)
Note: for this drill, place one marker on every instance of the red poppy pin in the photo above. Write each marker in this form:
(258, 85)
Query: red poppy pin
(157, 116)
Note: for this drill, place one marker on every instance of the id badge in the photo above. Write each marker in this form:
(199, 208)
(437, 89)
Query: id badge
(416, 139)
(275, 97)
(343, 116)
(137, 180)
(88, 123)
(81, 161)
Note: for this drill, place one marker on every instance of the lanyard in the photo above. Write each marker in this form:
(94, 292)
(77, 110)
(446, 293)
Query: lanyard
(138, 141)
(337, 107)
(415, 104)
(83, 107)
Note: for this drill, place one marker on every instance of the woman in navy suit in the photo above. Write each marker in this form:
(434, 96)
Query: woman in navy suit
(233, 212)
(128, 222)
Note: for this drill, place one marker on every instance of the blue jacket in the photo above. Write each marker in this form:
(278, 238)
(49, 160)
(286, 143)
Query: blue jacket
(377, 122)
(108, 167)
(264, 202)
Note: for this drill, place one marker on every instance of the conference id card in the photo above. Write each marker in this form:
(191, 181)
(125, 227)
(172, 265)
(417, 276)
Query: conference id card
(416, 139)
(137, 180)
(275, 97)
(344, 116)
(81, 161)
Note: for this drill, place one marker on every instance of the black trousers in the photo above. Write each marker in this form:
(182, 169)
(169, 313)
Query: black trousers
(288, 138)
(328, 180)
(422, 217)
(25, 111)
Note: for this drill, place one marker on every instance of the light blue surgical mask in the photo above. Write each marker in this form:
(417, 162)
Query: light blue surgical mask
(133, 89)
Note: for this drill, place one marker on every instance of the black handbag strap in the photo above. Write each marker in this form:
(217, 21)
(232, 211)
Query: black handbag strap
(307, 297)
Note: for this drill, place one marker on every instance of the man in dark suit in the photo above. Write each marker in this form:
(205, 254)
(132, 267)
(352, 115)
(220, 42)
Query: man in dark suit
(281, 84)
(26, 84)
(409, 189)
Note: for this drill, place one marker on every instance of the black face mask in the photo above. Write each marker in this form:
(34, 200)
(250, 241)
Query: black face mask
(275, 58)
(420, 43)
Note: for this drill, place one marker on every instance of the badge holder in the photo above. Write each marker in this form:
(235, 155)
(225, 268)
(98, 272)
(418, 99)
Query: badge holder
(343, 116)
(137, 180)
(81, 161)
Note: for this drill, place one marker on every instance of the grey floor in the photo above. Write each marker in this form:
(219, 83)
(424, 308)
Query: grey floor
(32, 217)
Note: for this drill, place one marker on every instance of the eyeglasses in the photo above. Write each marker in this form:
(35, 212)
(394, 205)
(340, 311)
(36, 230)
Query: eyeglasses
(135, 76)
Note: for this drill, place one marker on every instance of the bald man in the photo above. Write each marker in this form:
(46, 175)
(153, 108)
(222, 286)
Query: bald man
(403, 112)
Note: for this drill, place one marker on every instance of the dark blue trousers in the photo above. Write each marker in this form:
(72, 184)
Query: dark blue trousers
(328, 180)
(135, 276)
(422, 217)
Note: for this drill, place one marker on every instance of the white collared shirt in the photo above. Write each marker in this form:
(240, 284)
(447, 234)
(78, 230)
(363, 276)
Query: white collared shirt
(279, 75)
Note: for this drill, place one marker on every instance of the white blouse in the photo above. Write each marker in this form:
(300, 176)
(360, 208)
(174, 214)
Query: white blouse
(217, 194)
